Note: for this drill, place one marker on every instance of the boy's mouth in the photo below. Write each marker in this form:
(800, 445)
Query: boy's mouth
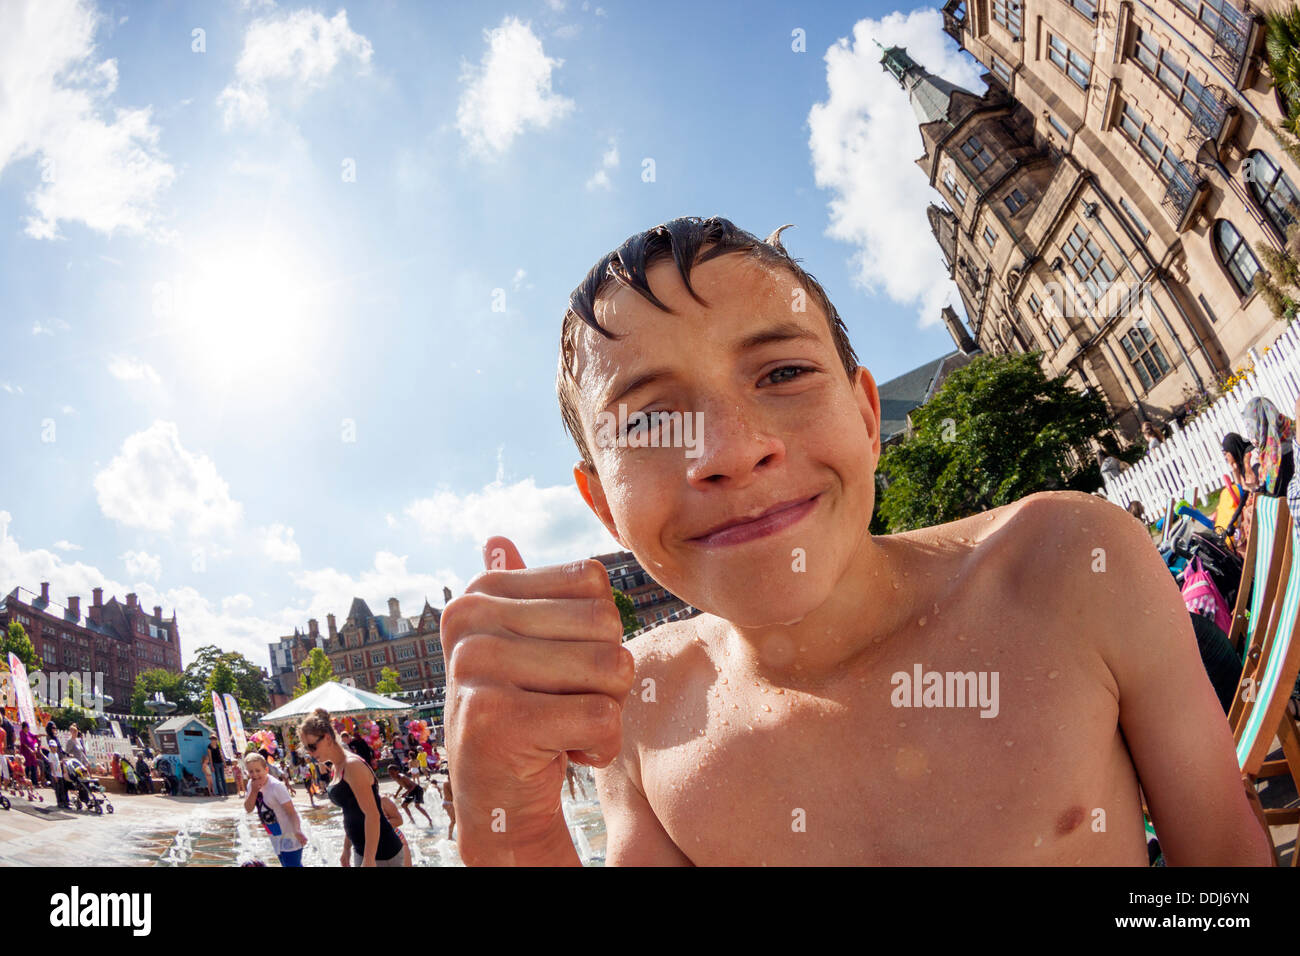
(774, 519)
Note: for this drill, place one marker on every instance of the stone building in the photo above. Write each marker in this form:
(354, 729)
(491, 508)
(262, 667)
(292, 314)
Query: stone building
(115, 639)
(1105, 198)
(653, 603)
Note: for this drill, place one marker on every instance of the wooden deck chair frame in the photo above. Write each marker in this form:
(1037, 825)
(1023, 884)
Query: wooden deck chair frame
(1269, 528)
(1270, 679)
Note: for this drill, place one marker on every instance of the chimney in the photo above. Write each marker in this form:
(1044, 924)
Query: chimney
(334, 631)
(45, 591)
(99, 596)
(313, 629)
(157, 612)
(446, 596)
(394, 609)
(130, 600)
(74, 605)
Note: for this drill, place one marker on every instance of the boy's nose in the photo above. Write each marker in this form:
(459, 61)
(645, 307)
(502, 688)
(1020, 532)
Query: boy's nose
(732, 445)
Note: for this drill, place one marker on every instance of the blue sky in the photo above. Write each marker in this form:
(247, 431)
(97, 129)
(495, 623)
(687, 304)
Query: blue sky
(280, 299)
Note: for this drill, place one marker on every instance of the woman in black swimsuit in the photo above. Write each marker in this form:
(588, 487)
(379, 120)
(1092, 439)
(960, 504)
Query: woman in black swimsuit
(369, 839)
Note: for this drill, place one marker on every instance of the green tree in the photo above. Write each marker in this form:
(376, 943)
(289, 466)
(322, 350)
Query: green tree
(20, 645)
(997, 430)
(628, 611)
(249, 691)
(1282, 48)
(172, 685)
(316, 670)
(388, 682)
(220, 681)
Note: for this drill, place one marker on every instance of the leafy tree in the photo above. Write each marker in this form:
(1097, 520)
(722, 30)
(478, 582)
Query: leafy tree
(249, 691)
(20, 645)
(1282, 47)
(628, 610)
(220, 681)
(173, 686)
(387, 682)
(316, 670)
(997, 430)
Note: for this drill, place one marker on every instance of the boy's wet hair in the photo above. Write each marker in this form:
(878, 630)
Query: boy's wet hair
(688, 241)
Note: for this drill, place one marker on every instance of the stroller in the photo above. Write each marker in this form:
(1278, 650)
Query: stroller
(86, 789)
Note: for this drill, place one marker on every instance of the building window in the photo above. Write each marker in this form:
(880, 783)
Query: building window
(1172, 75)
(1235, 255)
(1208, 12)
(990, 237)
(957, 192)
(1016, 201)
(410, 673)
(977, 153)
(358, 662)
(1272, 190)
(1068, 62)
(1036, 310)
(406, 652)
(1142, 227)
(1145, 354)
(432, 647)
(377, 657)
(1000, 69)
(1162, 158)
(437, 667)
(1007, 14)
(1087, 7)
(1085, 257)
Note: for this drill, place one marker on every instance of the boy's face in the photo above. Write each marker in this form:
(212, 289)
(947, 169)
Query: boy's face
(257, 773)
(808, 436)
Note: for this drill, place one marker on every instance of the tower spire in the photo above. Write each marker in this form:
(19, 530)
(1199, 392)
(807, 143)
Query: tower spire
(930, 95)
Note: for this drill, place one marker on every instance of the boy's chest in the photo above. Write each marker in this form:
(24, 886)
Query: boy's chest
(896, 765)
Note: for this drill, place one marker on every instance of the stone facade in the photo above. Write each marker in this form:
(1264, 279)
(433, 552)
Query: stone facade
(1105, 198)
(653, 602)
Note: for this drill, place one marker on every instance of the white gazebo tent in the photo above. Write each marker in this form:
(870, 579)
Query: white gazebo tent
(340, 700)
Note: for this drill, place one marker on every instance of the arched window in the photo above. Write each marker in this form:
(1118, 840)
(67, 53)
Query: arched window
(1235, 255)
(1271, 188)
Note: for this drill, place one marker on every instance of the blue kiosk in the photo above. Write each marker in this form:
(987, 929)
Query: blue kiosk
(183, 740)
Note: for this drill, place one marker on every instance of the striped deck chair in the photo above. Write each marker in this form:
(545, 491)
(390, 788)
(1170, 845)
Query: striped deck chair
(1257, 591)
(1264, 716)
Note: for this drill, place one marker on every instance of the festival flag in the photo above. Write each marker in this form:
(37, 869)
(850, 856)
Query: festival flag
(236, 723)
(223, 731)
(23, 691)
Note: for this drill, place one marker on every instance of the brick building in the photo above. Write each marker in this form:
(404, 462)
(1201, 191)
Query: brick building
(116, 639)
(653, 602)
(1105, 199)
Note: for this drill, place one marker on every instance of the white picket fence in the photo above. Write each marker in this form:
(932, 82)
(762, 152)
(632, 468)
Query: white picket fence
(1190, 463)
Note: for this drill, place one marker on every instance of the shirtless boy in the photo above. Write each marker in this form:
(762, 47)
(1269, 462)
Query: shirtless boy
(813, 627)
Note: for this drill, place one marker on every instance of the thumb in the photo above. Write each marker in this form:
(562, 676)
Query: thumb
(500, 554)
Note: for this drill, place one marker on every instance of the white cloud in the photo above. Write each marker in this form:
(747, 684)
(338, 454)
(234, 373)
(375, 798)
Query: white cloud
(509, 90)
(155, 483)
(11, 388)
(279, 546)
(547, 524)
(864, 144)
(67, 410)
(332, 590)
(236, 602)
(295, 52)
(128, 369)
(518, 280)
(100, 164)
(608, 161)
(140, 564)
(68, 546)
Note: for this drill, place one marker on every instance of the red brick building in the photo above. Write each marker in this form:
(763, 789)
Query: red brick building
(114, 639)
(653, 602)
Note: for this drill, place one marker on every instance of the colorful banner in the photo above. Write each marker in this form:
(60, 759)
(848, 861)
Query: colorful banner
(236, 723)
(223, 731)
(23, 691)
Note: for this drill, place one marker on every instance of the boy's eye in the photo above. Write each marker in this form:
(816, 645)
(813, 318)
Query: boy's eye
(638, 420)
(776, 374)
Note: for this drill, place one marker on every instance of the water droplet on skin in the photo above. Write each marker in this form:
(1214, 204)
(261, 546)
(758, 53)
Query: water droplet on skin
(921, 623)
(735, 707)
(767, 708)
(723, 680)
(1052, 675)
(780, 690)
(1028, 678)
(876, 640)
(1038, 841)
(1011, 743)
(936, 610)
(962, 637)
(902, 723)
(762, 690)
(748, 727)
(724, 721)
(897, 585)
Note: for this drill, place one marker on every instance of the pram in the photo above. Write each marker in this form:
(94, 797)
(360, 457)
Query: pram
(86, 789)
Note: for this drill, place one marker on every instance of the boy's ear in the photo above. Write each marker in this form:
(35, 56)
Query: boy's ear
(592, 493)
(868, 398)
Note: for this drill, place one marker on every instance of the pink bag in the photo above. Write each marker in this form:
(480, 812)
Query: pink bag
(1202, 596)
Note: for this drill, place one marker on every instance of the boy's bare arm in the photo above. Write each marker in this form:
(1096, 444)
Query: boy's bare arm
(633, 834)
(1175, 728)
